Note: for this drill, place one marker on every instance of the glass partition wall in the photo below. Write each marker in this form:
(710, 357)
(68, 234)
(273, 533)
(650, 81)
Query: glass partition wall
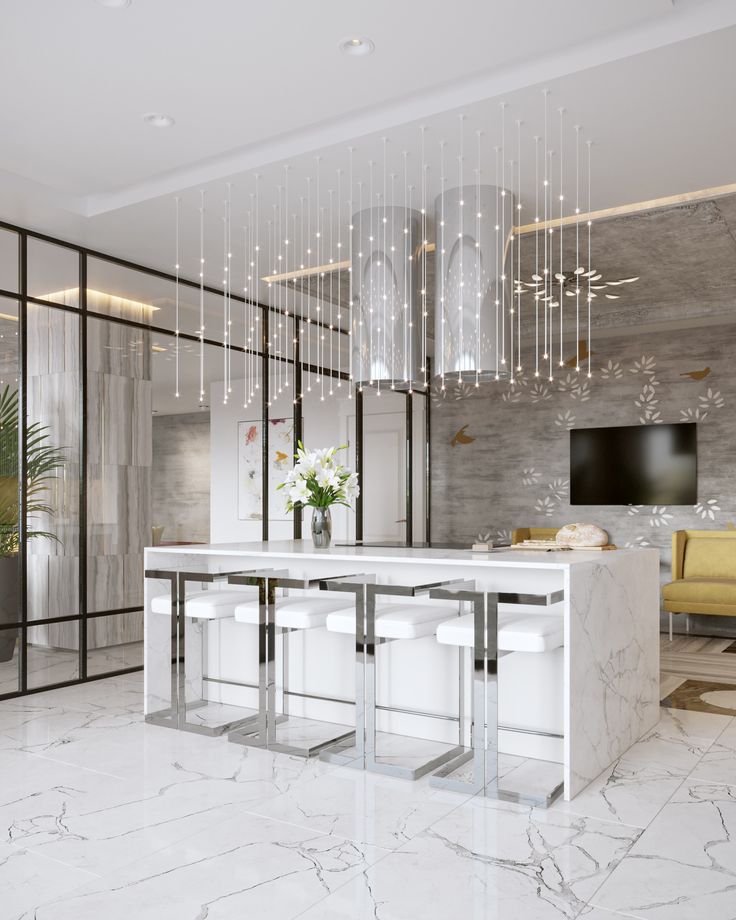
(90, 369)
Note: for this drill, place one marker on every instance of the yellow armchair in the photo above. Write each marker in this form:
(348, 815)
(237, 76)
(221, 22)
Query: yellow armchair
(703, 573)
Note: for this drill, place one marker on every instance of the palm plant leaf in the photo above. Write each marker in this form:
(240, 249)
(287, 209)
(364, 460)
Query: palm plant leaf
(42, 462)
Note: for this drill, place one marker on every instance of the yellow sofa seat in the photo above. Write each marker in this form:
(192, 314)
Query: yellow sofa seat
(704, 573)
(688, 593)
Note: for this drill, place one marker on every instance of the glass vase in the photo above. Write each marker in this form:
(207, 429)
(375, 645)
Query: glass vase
(321, 527)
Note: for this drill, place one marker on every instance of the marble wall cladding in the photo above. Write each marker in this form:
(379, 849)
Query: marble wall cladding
(180, 476)
(53, 385)
(500, 453)
(614, 629)
(119, 471)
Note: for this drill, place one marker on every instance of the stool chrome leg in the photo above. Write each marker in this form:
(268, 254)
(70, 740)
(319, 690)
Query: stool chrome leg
(493, 788)
(259, 731)
(372, 762)
(184, 706)
(350, 752)
(443, 778)
(169, 718)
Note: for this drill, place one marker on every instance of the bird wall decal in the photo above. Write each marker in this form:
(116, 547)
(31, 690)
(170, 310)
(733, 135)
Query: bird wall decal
(461, 438)
(584, 354)
(697, 375)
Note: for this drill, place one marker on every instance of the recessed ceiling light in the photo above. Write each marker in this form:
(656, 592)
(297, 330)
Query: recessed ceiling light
(357, 46)
(115, 4)
(158, 120)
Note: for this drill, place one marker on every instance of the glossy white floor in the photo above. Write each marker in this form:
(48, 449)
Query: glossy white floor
(105, 817)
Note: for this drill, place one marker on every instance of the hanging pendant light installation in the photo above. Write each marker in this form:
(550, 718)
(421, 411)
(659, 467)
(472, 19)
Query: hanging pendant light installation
(470, 282)
(386, 304)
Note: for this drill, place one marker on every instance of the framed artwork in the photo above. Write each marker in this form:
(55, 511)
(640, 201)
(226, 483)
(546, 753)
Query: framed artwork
(280, 461)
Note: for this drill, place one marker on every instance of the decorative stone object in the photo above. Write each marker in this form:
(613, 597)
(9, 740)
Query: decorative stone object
(581, 535)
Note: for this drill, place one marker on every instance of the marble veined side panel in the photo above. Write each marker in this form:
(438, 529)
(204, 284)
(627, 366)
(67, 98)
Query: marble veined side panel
(612, 661)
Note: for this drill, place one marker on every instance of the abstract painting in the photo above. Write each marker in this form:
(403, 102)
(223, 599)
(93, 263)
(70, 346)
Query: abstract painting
(250, 478)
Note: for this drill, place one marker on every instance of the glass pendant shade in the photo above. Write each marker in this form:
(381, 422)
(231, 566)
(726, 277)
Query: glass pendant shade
(386, 301)
(470, 291)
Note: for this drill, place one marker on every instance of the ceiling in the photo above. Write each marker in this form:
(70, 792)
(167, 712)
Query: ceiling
(649, 80)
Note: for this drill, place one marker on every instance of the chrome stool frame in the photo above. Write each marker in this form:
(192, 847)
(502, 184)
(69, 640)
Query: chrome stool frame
(484, 731)
(176, 717)
(371, 761)
(338, 752)
(266, 720)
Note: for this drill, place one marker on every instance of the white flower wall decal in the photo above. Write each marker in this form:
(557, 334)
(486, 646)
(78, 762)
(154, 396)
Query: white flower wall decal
(558, 488)
(637, 541)
(581, 391)
(646, 365)
(503, 536)
(660, 516)
(612, 371)
(693, 415)
(712, 400)
(530, 476)
(633, 509)
(539, 392)
(545, 506)
(707, 509)
(565, 420)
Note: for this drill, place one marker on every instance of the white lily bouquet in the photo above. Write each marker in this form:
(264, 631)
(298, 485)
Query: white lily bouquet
(320, 481)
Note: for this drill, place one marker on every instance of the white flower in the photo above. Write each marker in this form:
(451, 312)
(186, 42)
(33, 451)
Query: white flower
(328, 478)
(634, 509)
(299, 492)
(637, 541)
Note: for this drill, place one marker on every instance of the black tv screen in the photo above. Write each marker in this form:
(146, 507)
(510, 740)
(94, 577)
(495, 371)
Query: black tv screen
(634, 465)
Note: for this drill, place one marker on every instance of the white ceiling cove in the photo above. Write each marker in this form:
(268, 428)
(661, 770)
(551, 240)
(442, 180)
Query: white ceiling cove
(254, 85)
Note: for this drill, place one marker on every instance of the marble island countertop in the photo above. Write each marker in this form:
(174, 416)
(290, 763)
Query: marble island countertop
(501, 556)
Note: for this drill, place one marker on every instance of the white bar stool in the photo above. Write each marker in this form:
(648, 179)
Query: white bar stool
(390, 622)
(490, 634)
(286, 614)
(198, 606)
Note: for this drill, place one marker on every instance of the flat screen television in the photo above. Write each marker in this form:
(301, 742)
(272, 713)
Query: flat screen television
(634, 465)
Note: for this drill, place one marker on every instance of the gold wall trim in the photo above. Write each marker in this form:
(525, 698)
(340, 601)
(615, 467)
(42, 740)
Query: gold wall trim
(718, 191)
(321, 269)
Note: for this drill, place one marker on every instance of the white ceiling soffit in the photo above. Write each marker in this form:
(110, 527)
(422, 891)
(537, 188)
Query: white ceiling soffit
(254, 87)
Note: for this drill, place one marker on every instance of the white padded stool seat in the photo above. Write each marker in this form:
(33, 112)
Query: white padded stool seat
(204, 605)
(532, 633)
(393, 621)
(292, 612)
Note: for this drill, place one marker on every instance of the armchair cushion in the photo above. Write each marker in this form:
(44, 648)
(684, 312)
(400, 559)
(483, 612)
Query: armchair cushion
(709, 558)
(701, 595)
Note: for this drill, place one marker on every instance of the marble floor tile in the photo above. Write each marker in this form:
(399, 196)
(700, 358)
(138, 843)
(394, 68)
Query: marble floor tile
(366, 807)
(718, 764)
(246, 867)
(627, 793)
(486, 861)
(636, 787)
(683, 867)
(27, 879)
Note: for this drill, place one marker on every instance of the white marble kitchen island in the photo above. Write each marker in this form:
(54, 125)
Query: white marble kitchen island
(610, 691)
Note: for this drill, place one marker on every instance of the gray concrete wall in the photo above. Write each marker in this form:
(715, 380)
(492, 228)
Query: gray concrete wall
(515, 470)
(181, 476)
